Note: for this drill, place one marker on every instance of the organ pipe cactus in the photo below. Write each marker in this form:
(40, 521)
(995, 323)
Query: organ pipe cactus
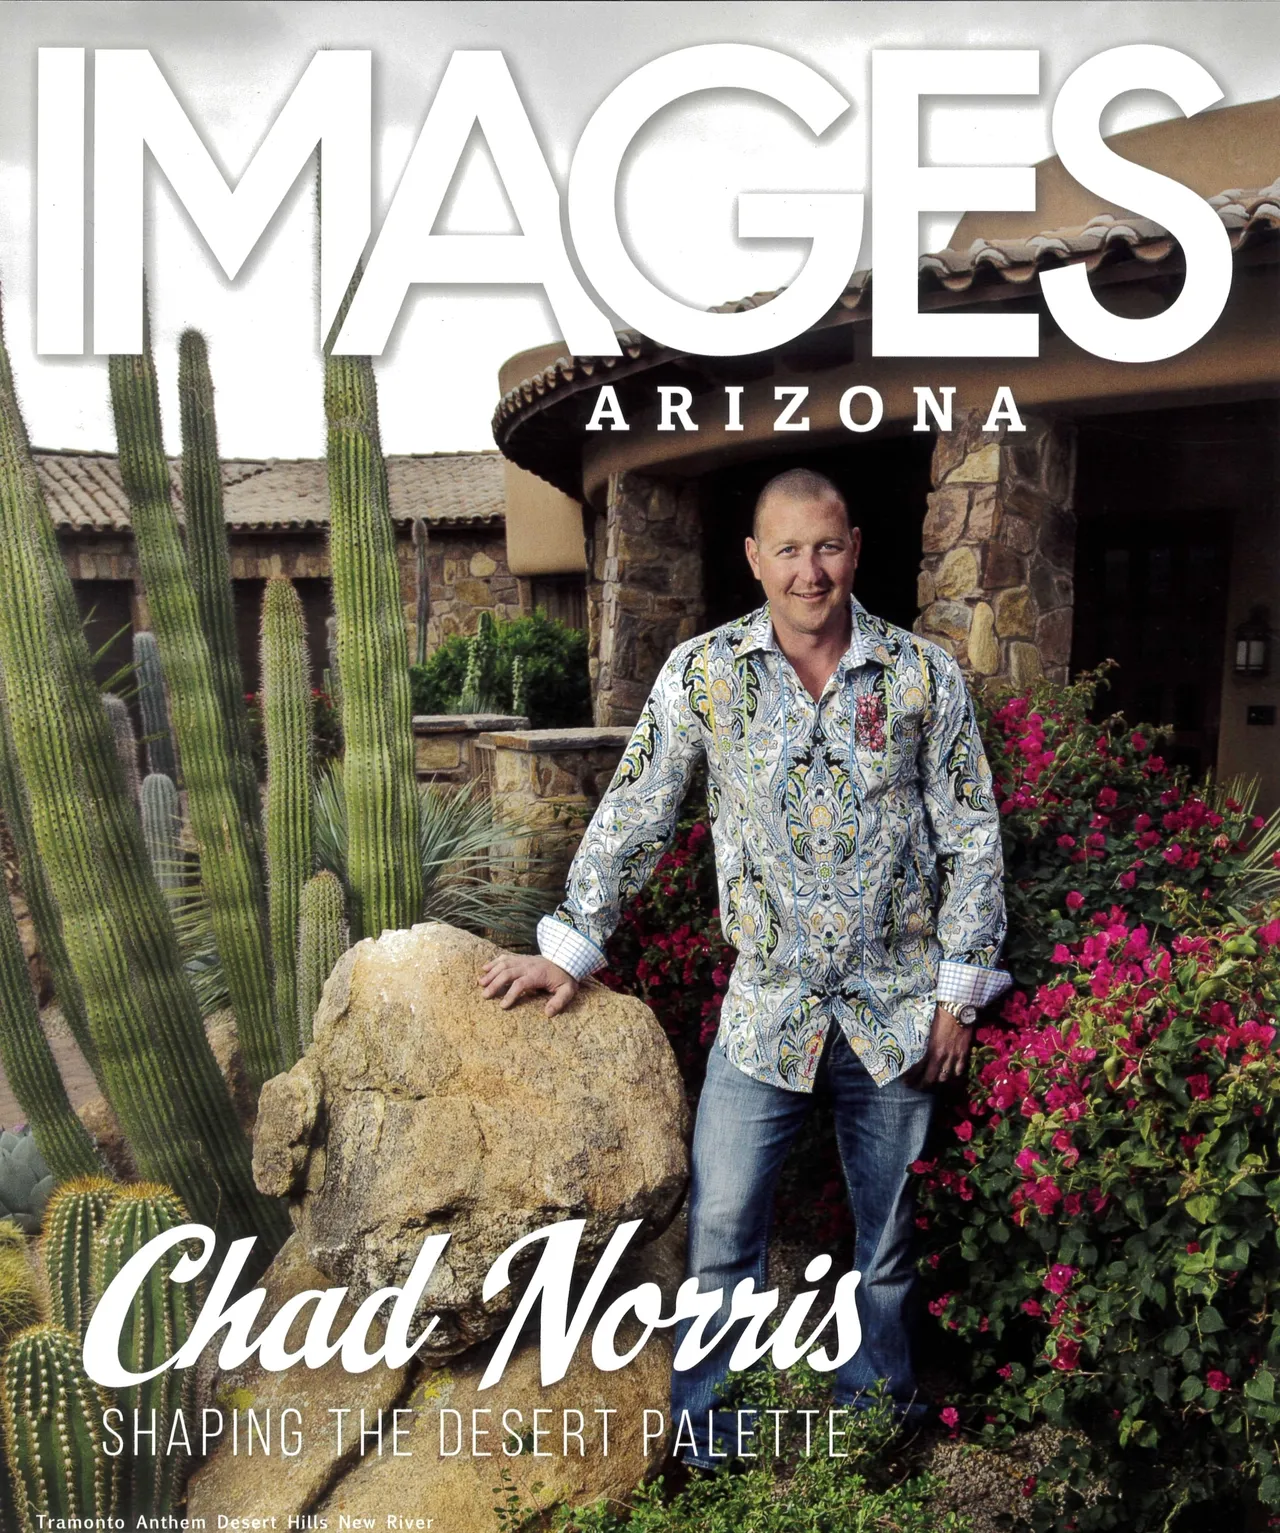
(52, 1413)
(74, 1216)
(154, 705)
(422, 549)
(231, 870)
(322, 940)
(373, 658)
(162, 1080)
(157, 1323)
(210, 563)
(162, 829)
(126, 742)
(286, 723)
(30, 1066)
(45, 916)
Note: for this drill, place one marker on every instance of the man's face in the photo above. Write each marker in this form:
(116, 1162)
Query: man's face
(805, 557)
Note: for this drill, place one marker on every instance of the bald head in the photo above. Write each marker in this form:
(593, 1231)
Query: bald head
(797, 484)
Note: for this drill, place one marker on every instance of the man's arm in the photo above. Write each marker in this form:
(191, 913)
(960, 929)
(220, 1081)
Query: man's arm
(965, 827)
(631, 828)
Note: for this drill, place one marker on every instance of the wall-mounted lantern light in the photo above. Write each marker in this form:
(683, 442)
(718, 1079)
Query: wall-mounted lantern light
(1253, 644)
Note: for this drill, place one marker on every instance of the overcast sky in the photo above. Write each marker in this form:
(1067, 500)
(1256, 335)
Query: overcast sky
(233, 65)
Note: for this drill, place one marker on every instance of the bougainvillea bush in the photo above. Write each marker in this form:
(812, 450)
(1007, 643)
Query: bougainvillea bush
(1094, 815)
(1103, 1219)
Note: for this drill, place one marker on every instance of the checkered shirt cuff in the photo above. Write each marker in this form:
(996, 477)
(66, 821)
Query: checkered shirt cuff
(966, 984)
(566, 947)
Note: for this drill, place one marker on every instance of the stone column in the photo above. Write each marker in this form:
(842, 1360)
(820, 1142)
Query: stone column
(997, 577)
(647, 595)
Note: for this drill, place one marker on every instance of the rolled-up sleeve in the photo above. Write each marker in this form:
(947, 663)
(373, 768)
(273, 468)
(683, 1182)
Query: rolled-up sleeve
(964, 824)
(631, 828)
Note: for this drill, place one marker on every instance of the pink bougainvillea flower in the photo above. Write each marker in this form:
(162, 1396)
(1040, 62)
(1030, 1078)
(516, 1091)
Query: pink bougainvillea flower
(1218, 1381)
(964, 1130)
(1269, 935)
(1198, 1086)
(1075, 900)
(949, 1416)
(1058, 1278)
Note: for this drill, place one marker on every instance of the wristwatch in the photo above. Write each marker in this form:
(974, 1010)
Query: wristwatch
(966, 1016)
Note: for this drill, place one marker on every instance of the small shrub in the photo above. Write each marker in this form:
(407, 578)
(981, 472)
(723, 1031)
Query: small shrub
(1103, 1218)
(556, 684)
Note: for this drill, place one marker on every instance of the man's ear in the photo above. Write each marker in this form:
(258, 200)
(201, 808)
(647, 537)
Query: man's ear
(753, 556)
(855, 538)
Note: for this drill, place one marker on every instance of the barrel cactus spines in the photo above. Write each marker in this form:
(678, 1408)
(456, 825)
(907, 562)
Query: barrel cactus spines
(52, 1413)
(30, 1066)
(322, 940)
(162, 829)
(153, 704)
(45, 916)
(74, 1216)
(158, 1322)
(162, 1080)
(286, 724)
(231, 870)
(210, 562)
(422, 558)
(384, 870)
(21, 1301)
(126, 742)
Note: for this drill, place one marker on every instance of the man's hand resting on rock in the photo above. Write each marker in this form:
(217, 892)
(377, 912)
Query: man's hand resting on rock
(519, 976)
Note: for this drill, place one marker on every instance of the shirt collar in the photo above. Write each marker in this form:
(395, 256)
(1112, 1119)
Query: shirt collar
(866, 637)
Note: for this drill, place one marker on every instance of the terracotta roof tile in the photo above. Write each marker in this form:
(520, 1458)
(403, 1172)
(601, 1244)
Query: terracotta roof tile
(465, 489)
(1249, 216)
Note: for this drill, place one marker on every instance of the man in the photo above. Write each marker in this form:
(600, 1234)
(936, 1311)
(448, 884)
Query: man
(858, 857)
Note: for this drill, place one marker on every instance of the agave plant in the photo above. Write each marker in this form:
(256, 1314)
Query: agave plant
(25, 1180)
(463, 875)
(1257, 881)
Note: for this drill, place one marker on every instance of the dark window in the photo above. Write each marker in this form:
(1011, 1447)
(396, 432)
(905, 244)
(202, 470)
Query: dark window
(106, 614)
(1151, 594)
(563, 597)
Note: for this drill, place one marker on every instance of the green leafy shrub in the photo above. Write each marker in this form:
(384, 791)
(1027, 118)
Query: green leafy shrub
(862, 1488)
(553, 672)
(1103, 1219)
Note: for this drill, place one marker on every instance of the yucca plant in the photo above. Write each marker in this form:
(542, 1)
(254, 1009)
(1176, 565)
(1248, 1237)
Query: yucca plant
(462, 874)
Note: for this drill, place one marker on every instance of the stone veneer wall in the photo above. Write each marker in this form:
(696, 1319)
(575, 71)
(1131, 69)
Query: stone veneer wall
(644, 589)
(445, 745)
(997, 576)
(467, 565)
(551, 780)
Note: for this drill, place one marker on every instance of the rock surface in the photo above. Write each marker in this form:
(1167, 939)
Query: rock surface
(456, 1491)
(423, 1108)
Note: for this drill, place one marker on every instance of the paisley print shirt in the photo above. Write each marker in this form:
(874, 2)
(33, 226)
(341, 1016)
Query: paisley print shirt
(856, 836)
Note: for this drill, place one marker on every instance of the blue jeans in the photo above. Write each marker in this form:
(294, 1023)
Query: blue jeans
(743, 1132)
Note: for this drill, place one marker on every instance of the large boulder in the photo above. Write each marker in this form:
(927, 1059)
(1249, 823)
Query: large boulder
(422, 1108)
(325, 1477)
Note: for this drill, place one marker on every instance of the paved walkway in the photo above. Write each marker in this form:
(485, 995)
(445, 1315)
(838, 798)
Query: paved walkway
(76, 1074)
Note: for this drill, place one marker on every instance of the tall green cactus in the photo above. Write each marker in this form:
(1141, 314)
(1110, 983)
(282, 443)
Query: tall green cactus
(286, 724)
(422, 559)
(383, 868)
(322, 940)
(231, 870)
(154, 705)
(126, 742)
(162, 1080)
(519, 688)
(30, 1066)
(19, 1309)
(72, 1219)
(158, 1323)
(52, 1414)
(45, 915)
(162, 829)
(210, 563)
